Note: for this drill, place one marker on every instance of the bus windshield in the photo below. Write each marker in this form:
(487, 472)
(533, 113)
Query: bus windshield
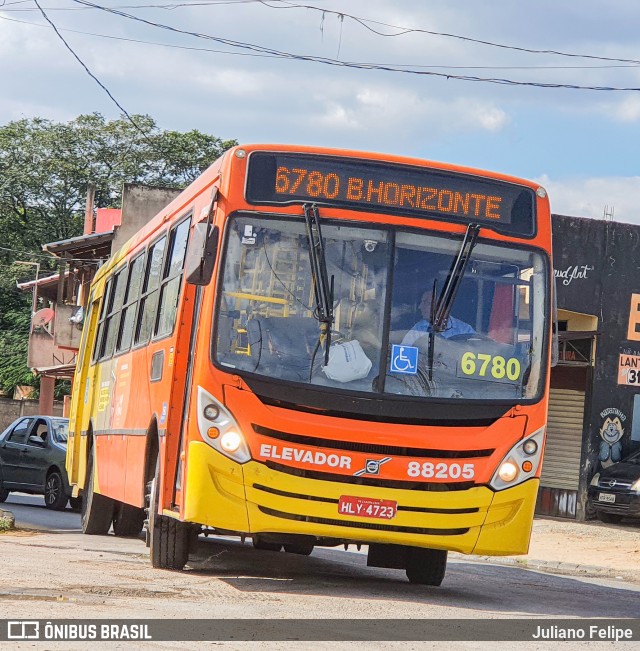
(386, 286)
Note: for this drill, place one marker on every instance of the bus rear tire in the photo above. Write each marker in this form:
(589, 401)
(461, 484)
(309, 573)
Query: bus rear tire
(426, 566)
(169, 539)
(127, 521)
(97, 510)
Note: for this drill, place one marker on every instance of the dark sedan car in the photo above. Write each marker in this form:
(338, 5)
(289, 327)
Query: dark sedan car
(615, 491)
(32, 457)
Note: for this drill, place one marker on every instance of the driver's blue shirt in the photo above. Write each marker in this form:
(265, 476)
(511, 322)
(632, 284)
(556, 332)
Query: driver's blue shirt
(454, 327)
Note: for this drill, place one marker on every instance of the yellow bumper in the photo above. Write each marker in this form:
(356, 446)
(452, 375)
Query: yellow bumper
(252, 498)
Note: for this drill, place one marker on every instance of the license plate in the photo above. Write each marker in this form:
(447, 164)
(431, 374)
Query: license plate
(365, 507)
(606, 497)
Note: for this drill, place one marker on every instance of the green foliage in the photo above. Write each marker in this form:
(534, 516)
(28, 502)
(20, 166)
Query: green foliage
(45, 169)
(15, 314)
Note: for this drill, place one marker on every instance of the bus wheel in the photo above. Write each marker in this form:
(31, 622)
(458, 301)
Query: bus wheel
(76, 504)
(426, 566)
(302, 548)
(127, 521)
(169, 539)
(260, 543)
(97, 510)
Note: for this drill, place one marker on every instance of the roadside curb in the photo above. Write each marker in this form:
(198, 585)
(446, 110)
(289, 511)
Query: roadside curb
(559, 567)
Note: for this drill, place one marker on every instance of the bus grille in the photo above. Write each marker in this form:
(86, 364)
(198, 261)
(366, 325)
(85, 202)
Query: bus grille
(368, 481)
(330, 500)
(363, 525)
(370, 448)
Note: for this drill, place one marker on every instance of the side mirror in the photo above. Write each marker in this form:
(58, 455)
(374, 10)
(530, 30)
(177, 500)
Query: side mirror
(201, 254)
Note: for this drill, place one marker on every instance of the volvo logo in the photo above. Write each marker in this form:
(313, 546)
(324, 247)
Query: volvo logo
(611, 483)
(371, 467)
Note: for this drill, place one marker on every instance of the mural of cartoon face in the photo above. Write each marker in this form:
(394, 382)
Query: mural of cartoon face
(611, 449)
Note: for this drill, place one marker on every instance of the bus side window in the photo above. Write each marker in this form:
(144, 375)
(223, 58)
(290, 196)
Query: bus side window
(98, 345)
(149, 300)
(125, 336)
(172, 278)
(112, 320)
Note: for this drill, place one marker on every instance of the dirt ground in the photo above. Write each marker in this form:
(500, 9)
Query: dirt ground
(583, 548)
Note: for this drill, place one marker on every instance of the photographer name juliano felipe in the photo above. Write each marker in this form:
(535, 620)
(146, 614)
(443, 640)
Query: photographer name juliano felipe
(592, 632)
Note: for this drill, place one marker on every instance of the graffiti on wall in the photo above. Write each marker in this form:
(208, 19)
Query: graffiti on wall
(573, 272)
(611, 432)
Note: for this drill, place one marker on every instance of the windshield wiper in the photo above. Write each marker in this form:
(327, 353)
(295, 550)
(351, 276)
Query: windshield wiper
(322, 287)
(440, 308)
(447, 296)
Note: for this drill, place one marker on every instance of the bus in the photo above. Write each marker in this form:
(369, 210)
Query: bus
(318, 347)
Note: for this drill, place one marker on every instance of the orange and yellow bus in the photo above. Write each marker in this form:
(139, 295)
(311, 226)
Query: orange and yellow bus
(314, 347)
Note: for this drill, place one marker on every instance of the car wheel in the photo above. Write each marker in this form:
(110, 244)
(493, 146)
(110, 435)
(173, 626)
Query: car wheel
(426, 566)
(97, 510)
(54, 496)
(609, 518)
(4, 493)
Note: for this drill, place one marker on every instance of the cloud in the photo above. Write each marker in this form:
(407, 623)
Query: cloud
(628, 110)
(592, 197)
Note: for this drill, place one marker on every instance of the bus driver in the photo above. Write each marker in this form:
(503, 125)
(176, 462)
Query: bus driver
(454, 326)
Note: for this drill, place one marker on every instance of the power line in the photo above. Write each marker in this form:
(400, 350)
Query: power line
(346, 64)
(364, 22)
(81, 62)
(269, 56)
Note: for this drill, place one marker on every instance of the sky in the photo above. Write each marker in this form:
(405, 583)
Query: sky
(372, 75)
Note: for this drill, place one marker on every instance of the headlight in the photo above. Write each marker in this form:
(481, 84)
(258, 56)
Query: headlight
(635, 487)
(595, 479)
(219, 428)
(520, 463)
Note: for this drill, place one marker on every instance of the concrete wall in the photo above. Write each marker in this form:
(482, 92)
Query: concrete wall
(140, 203)
(12, 409)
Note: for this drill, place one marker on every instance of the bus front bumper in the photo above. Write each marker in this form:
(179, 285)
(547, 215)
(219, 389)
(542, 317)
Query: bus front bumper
(252, 498)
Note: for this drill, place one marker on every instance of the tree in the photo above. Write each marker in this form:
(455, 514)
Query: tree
(45, 168)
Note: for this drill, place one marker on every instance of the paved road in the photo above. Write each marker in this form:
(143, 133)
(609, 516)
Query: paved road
(107, 577)
(31, 513)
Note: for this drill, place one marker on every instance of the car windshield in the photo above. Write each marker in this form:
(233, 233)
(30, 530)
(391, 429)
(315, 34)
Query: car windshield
(385, 287)
(60, 429)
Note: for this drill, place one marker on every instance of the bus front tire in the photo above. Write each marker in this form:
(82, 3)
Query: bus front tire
(426, 566)
(97, 510)
(169, 539)
(128, 521)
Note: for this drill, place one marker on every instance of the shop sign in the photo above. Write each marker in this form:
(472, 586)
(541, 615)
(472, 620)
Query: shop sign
(629, 370)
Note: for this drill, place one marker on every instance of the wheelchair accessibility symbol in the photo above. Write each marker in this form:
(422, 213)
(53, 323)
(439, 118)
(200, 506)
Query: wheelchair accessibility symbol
(404, 359)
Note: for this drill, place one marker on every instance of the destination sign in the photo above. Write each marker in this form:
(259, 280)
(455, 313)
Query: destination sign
(284, 178)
